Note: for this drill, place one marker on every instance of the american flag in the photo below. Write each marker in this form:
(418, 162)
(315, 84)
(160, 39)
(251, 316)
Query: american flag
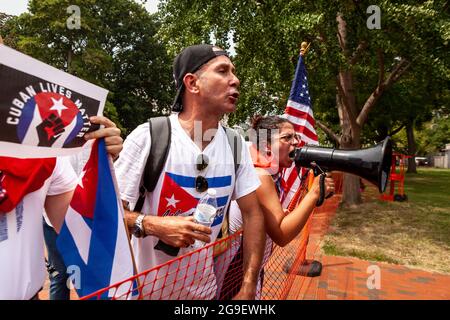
(300, 113)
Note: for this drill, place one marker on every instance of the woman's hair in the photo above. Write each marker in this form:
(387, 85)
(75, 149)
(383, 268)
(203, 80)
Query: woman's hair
(265, 127)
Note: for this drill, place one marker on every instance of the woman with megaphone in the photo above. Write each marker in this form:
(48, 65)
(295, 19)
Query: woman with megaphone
(274, 140)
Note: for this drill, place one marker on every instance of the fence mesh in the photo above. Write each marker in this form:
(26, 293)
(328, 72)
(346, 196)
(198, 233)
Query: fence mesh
(205, 274)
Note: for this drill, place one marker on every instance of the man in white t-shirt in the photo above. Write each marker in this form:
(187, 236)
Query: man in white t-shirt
(32, 185)
(207, 88)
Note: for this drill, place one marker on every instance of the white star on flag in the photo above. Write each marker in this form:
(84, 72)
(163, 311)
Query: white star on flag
(58, 106)
(80, 179)
(172, 201)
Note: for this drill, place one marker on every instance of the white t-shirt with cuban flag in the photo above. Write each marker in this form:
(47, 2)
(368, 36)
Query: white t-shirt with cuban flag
(175, 194)
(22, 271)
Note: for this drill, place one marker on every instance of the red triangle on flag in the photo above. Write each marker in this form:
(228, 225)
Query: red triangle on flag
(174, 200)
(83, 200)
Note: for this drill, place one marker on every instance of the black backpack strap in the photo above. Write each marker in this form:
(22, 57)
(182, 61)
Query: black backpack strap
(235, 141)
(160, 134)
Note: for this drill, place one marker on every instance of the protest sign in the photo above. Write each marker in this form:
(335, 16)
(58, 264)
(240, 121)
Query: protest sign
(44, 112)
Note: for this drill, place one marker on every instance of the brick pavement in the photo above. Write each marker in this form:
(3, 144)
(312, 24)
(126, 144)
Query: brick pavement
(346, 278)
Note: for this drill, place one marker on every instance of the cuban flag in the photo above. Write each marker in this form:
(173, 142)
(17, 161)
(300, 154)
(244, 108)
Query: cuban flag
(179, 197)
(93, 240)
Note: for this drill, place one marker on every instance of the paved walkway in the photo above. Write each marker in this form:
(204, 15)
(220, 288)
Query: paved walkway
(350, 278)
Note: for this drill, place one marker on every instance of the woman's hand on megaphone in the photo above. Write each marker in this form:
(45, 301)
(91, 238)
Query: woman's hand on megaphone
(328, 184)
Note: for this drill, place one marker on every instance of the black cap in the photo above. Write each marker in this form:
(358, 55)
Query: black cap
(188, 61)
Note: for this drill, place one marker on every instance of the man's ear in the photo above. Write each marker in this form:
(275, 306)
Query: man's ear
(1, 40)
(190, 82)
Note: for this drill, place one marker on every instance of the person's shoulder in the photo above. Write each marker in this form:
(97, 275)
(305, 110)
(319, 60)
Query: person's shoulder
(227, 129)
(140, 133)
(173, 116)
(266, 181)
(141, 128)
(224, 131)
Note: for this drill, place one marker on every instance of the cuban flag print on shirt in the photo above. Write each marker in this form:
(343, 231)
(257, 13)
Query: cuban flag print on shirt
(177, 199)
(191, 277)
(93, 241)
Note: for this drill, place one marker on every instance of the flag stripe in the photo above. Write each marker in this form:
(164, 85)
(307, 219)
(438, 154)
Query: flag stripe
(294, 108)
(221, 201)
(300, 114)
(189, 182)
(80, 231)
(308, 136)
(121, 271)
(292, 176)
(302, 124)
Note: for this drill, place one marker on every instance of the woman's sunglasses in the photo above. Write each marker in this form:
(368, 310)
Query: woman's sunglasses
(201, 184)
(3, 193)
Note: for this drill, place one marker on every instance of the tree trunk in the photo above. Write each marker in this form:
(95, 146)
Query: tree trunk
(351, 131)
(351, 192)
(350, 139)
(412, 149)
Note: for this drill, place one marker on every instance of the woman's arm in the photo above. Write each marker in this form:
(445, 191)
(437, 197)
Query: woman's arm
(280, 227)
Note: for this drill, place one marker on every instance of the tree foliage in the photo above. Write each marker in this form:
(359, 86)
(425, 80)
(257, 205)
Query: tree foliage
(266, 35)
(351, 67)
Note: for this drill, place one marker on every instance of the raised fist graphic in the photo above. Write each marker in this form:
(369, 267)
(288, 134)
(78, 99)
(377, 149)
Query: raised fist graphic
(49, 130)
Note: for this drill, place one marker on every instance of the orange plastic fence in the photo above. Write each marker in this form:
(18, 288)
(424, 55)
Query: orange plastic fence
(191, 276)
(396, 177)
(200, 275)
(338, 178)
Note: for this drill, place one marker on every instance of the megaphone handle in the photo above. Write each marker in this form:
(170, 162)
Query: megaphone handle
(316, 170)
(322, 190)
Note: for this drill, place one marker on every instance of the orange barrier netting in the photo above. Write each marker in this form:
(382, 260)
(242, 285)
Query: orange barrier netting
(191, 276)
(204, 274)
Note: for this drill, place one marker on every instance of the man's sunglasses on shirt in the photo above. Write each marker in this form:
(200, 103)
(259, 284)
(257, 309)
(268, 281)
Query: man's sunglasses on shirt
(201, 184)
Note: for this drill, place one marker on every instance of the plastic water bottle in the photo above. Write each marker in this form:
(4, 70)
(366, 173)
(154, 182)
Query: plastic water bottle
(205, 212)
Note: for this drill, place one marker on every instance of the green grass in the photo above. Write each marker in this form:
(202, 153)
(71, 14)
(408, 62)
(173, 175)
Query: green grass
(429, 186)
(430, 189)
(331, 249)
(415, 233)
